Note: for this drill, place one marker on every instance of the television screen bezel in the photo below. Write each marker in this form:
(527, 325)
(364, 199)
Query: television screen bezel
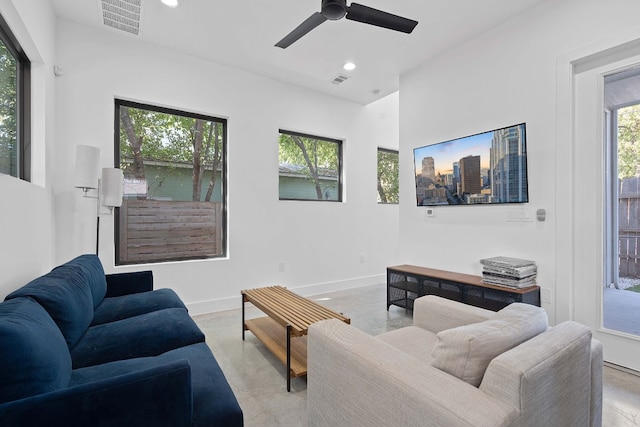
(468, 137)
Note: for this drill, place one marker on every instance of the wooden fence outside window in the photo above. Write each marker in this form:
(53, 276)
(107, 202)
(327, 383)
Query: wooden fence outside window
(629, 228)
(153, 230)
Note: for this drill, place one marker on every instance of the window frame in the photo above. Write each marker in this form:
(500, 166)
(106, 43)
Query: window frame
(340, 181)
(223, 184)
(396, 152)
(23, 101)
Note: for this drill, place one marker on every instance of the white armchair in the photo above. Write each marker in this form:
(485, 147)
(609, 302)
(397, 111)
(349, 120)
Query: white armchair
(457, 365)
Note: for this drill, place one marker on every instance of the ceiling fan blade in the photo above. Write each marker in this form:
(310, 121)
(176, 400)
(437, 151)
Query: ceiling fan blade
(368, 15)
(309, 24)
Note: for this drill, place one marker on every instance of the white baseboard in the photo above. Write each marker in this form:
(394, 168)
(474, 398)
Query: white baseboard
(622, 368)
(222, 304)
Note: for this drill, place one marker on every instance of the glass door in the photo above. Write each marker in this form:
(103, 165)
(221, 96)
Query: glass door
(621, 294)
(604, 219)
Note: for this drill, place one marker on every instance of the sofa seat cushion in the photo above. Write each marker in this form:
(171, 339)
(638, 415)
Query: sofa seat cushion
(66, 296)
(466, 351)
(412, 340)
(148, 334)
(213, 398)
(123, 307)
(34, 357)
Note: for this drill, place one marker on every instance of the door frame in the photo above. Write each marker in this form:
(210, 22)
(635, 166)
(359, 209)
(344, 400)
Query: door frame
(579, 292)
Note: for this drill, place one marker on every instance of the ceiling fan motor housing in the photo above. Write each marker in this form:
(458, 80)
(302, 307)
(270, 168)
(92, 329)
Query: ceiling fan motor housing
(334, 9)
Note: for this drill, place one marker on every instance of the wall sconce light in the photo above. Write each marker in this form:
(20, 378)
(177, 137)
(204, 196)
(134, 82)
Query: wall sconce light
(109, 187)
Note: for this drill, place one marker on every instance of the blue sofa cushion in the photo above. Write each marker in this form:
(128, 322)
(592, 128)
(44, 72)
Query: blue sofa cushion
(66, 296)
(118, 308)
(213, 400)
(34, 357)
(148, 334)
(93, 272)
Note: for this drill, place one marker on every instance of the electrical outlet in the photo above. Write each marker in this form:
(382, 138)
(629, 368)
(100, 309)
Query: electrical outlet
(281, 267)
(545, 295)
(363, 258)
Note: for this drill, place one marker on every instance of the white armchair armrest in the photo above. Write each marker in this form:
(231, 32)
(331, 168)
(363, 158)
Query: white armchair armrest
(436, 314)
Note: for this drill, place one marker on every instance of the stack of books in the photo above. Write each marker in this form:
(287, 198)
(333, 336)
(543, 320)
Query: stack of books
(509, 272)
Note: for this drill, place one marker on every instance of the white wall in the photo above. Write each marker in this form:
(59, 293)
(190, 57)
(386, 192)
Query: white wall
(26, 215)
(503, 77)
(319, 243)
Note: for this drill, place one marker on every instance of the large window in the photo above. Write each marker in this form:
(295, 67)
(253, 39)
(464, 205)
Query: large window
(388, 176)
(174, 166)
(15, 144)
(309, 167)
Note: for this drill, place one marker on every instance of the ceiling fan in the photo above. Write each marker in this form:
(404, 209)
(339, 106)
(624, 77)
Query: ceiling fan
(338, 9)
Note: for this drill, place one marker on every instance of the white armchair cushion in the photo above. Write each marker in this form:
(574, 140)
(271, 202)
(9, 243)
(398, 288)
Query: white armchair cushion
(412, 340)
(465, 351)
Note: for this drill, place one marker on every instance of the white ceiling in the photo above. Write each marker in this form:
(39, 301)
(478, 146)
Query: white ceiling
(242, 34)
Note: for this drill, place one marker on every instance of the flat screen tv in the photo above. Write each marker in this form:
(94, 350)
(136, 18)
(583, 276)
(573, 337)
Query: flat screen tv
(486, 168)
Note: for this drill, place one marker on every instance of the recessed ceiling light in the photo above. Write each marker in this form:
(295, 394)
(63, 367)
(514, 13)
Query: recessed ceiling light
(170, 3)
(349, 66)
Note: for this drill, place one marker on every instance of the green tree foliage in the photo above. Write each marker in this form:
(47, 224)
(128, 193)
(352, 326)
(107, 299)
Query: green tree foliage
(388, 172)
(629, 142)
(8, 112)
(314, 157)
(147, 135)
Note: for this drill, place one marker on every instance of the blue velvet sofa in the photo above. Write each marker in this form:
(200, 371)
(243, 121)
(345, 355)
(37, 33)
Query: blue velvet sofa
(81, 348)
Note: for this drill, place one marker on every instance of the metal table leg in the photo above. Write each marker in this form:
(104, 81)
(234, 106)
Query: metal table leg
(243, 328)
(288, 358)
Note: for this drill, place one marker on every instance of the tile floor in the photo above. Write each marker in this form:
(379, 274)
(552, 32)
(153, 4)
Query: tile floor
(259, 382)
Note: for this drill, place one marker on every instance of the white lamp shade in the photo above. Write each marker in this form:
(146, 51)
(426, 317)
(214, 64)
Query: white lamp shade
(112, 185)
(87, 158)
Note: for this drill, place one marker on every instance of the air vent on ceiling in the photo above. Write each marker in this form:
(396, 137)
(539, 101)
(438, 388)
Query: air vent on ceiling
(122, 15)
(339, 79)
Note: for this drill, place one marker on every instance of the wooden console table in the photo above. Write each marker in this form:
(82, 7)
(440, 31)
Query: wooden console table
(405, 283)
(284, 329)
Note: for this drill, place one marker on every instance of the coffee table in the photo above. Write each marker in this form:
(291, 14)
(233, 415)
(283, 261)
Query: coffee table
(284, 330)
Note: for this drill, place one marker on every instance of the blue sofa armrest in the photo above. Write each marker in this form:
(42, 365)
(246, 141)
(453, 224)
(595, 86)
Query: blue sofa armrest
(129, 283)
(159, 396)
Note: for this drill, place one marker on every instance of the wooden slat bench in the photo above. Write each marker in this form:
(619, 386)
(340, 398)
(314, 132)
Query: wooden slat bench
(284, 329)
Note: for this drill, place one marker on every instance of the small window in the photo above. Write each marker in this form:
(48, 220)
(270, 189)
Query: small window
(310, 168)
(388, 176)
(15, 144)
(174, 166)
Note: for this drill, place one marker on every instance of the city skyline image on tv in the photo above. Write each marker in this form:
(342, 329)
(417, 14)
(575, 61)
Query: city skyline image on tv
(485, 168)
